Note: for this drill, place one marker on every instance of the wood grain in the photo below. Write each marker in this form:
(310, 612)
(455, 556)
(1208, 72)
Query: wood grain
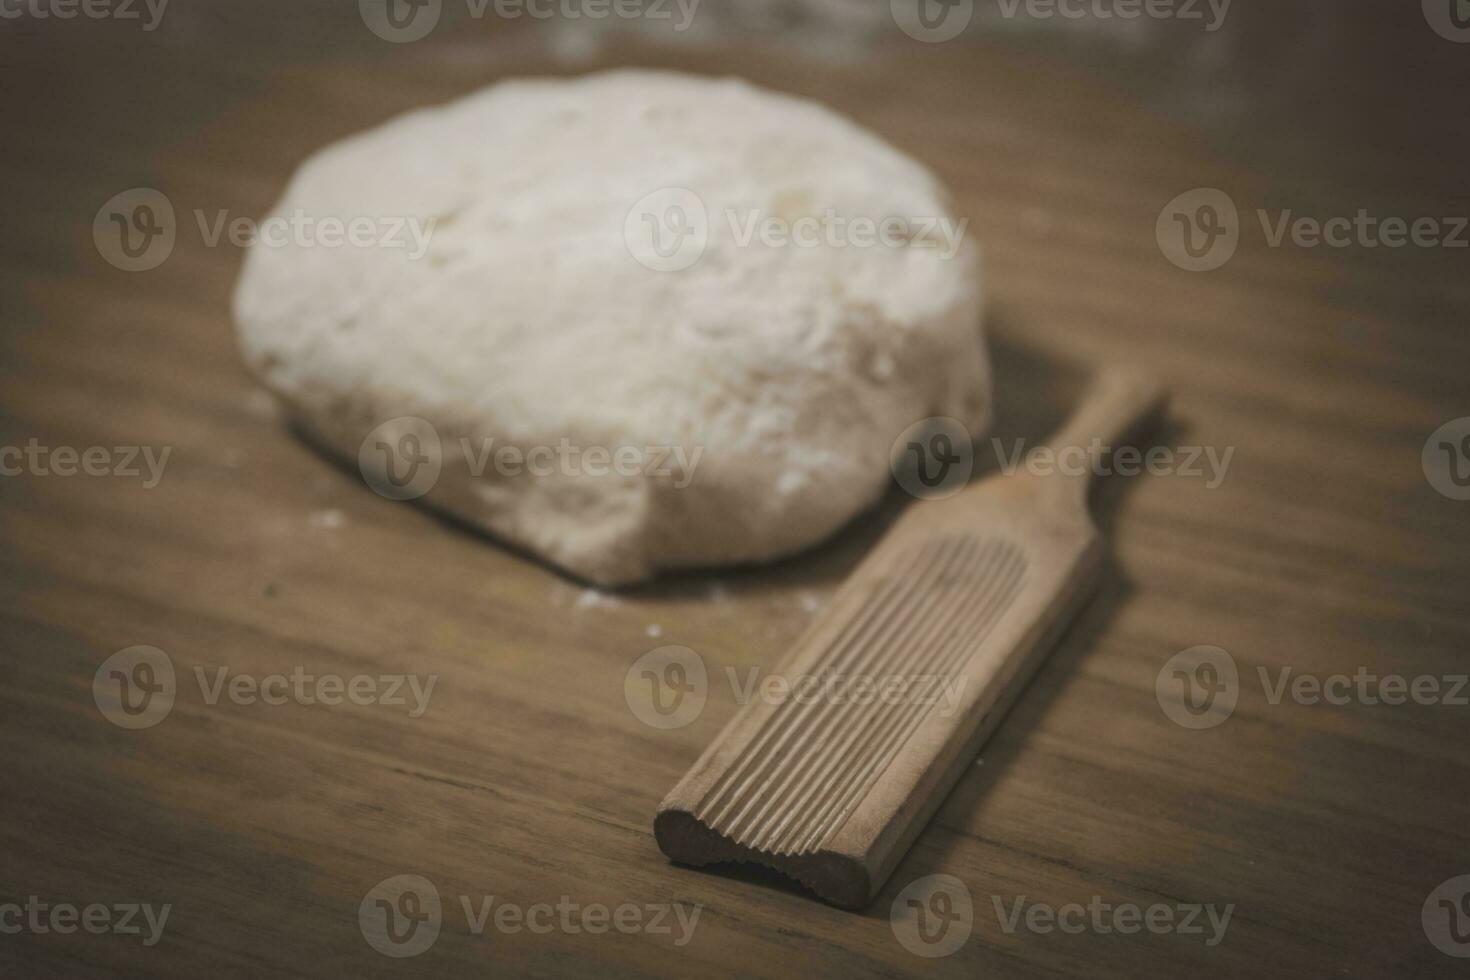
(1324, 549)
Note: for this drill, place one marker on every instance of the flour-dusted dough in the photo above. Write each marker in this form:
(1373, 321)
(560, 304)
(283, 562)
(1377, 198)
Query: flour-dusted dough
(538, 314)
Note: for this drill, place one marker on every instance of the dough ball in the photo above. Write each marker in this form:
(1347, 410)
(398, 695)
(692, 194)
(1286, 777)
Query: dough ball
(628, 322)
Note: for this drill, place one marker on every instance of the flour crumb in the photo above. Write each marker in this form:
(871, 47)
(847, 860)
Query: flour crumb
(591, 598)
(810, 602)
(329, 519)
(654, 630)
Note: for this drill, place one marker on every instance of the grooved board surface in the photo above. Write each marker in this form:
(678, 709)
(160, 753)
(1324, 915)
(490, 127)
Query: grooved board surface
(816, 758)
(1323, 552)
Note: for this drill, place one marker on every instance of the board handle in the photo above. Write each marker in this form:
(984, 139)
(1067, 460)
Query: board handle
(1120, 406)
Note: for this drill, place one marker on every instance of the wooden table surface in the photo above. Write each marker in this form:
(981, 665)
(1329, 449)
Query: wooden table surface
(1325, 549)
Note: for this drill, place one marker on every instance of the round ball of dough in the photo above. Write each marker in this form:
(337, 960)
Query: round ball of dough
(628, 322)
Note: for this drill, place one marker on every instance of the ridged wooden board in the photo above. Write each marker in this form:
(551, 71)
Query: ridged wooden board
(963, 595)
